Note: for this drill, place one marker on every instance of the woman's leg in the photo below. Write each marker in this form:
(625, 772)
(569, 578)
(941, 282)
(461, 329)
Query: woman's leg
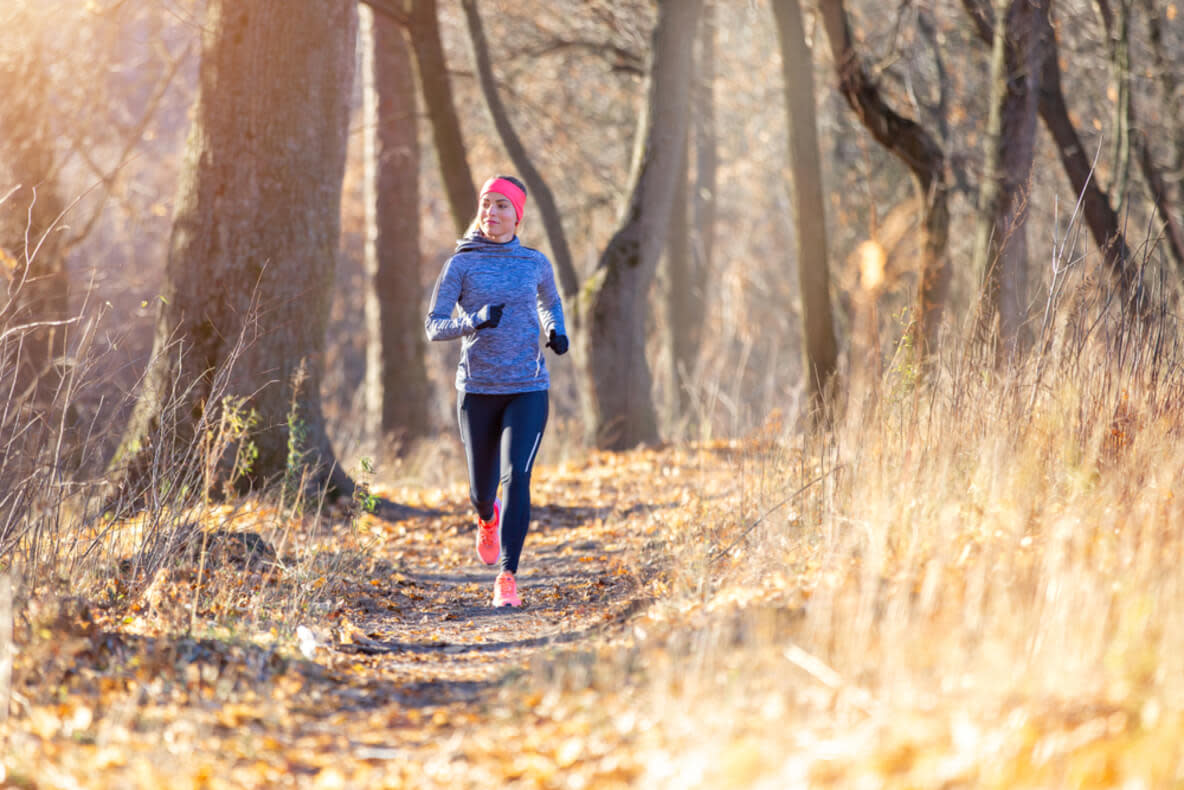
(523, 422)
(480, 420)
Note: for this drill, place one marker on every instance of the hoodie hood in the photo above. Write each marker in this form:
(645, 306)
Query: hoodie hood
(475, 242)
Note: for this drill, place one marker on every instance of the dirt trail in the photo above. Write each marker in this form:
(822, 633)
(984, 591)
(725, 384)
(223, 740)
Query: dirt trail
(418, 666)
(434, 624)
(416, 681)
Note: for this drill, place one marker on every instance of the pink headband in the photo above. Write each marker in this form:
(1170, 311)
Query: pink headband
(510, 190)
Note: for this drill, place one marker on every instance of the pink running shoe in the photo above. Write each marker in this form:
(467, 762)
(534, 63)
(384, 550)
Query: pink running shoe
(505, 590)
(488, 538)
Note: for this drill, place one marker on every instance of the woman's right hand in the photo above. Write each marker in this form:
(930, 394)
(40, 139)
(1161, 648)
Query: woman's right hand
(489, 316)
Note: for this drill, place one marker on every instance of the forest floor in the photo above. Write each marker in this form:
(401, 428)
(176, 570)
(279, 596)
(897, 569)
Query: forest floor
(414, 679)
(687, 622)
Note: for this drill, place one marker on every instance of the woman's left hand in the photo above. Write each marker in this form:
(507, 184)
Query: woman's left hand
(557, 343)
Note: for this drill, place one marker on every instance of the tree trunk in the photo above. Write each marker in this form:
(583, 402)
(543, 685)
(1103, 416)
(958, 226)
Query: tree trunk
(1000, 251)
(396, 386)
(1100, 217)
(692, 230)
(919, 151)
(1118, 32)
(818, 334)
(1171, 91)
(990, 194)
(437, 97)
(1131, 137)
(241, 323)
(681, 322)
(619, 410)
(32, 260)
(703, 196)
(548, 210)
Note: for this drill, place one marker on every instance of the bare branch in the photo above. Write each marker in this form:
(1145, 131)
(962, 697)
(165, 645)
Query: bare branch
(107, 178)
(619, 59)
(521, 159)
(35, 325)
(1154, 179)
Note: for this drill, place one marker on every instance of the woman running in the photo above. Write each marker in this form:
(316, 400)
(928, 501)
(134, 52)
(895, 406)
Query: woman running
(505, 293)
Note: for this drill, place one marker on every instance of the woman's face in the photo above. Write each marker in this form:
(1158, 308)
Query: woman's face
(498, 220)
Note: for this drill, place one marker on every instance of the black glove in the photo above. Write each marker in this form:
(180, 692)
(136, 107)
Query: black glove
(489, 316)
(557, 343)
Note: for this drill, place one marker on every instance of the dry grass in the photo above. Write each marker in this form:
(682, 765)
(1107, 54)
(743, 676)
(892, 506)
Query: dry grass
(982, 592)
(961, 586)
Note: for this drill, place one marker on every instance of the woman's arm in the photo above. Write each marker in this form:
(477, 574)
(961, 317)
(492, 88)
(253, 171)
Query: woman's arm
(550, 306)
(439, 324)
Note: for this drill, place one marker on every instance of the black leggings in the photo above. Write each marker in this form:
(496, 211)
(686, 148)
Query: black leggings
(503, 433)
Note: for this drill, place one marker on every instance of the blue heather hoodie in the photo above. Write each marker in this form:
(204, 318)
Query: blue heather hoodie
(506, 358)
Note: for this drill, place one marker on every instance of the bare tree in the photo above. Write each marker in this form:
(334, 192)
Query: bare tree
(396, 385)
(619, 411)
(32, 251)
(254, 241)
(1097, 211)
(1131, 138)
(539, 190)
(918, 149)
(1000, 248)
(421, 18)
(692, 224)
(437, 97)
(1171, 82)
(818, 334)
(703, 126)
(681, 322)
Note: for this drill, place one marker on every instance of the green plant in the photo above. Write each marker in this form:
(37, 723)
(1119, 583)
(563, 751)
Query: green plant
(363, 498)
(296, 464)
(238, 423)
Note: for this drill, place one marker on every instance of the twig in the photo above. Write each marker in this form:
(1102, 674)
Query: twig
(134, 136)
(771, 510)
(818, 669)
(37, 325)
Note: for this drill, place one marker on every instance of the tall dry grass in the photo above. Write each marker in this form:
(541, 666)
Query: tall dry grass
(983, 590)
(66, 532)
